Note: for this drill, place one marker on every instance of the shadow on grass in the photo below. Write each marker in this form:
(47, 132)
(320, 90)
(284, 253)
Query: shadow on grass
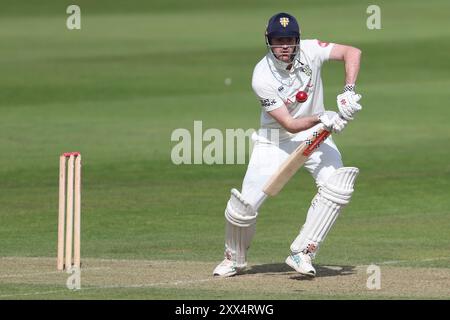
(321, 271)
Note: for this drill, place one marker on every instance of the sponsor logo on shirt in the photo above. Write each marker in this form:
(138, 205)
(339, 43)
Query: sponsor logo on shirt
(267, 102)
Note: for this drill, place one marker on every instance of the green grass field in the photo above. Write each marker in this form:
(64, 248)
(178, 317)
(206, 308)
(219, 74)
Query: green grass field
(116, 89)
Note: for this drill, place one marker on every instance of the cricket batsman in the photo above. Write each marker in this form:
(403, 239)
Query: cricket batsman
(288, 85)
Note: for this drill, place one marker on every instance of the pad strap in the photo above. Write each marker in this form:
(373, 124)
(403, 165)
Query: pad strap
(339, 188)
(239, 212)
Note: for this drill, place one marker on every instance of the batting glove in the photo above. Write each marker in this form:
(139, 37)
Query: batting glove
(347, 102)
(333, 121)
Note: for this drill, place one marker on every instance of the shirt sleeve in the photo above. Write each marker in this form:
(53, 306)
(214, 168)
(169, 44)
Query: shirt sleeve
(320, 50)
(267, 96)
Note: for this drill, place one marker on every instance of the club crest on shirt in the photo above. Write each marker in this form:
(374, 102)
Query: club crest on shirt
(307, 70)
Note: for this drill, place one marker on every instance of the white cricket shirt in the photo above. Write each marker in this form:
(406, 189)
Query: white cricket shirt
(277, 87)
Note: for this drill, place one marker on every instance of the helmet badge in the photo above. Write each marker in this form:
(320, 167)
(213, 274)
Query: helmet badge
(284, 21)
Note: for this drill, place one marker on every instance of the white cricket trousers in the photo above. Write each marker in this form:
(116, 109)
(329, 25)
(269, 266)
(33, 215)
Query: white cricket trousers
(267, 157)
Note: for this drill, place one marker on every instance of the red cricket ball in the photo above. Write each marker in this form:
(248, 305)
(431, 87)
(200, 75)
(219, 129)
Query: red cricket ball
(301, 96)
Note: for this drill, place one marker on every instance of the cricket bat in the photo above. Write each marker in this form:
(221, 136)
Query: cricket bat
(296, 159)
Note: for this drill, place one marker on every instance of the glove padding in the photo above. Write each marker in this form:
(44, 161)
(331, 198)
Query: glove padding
(333, 121)
(348, 105)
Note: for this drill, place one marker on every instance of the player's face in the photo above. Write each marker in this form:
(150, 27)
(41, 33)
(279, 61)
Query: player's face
(283, 48)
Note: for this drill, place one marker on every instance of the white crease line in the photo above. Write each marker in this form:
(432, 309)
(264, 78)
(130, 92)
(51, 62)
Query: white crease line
(404, 261)
(178, 282)
(49, 272)
(26, 258)
(433, 259)
(149, 285)
(94, 260)
(29, 293)
(145, 262)
(28, 274)
(391, 262)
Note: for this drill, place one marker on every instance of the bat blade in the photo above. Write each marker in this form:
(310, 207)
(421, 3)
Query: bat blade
(294, 162)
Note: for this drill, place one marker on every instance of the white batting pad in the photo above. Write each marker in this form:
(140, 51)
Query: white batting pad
(237, 242)
(324, 210)
(240, 228)
(239, 212)
(339, 187)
